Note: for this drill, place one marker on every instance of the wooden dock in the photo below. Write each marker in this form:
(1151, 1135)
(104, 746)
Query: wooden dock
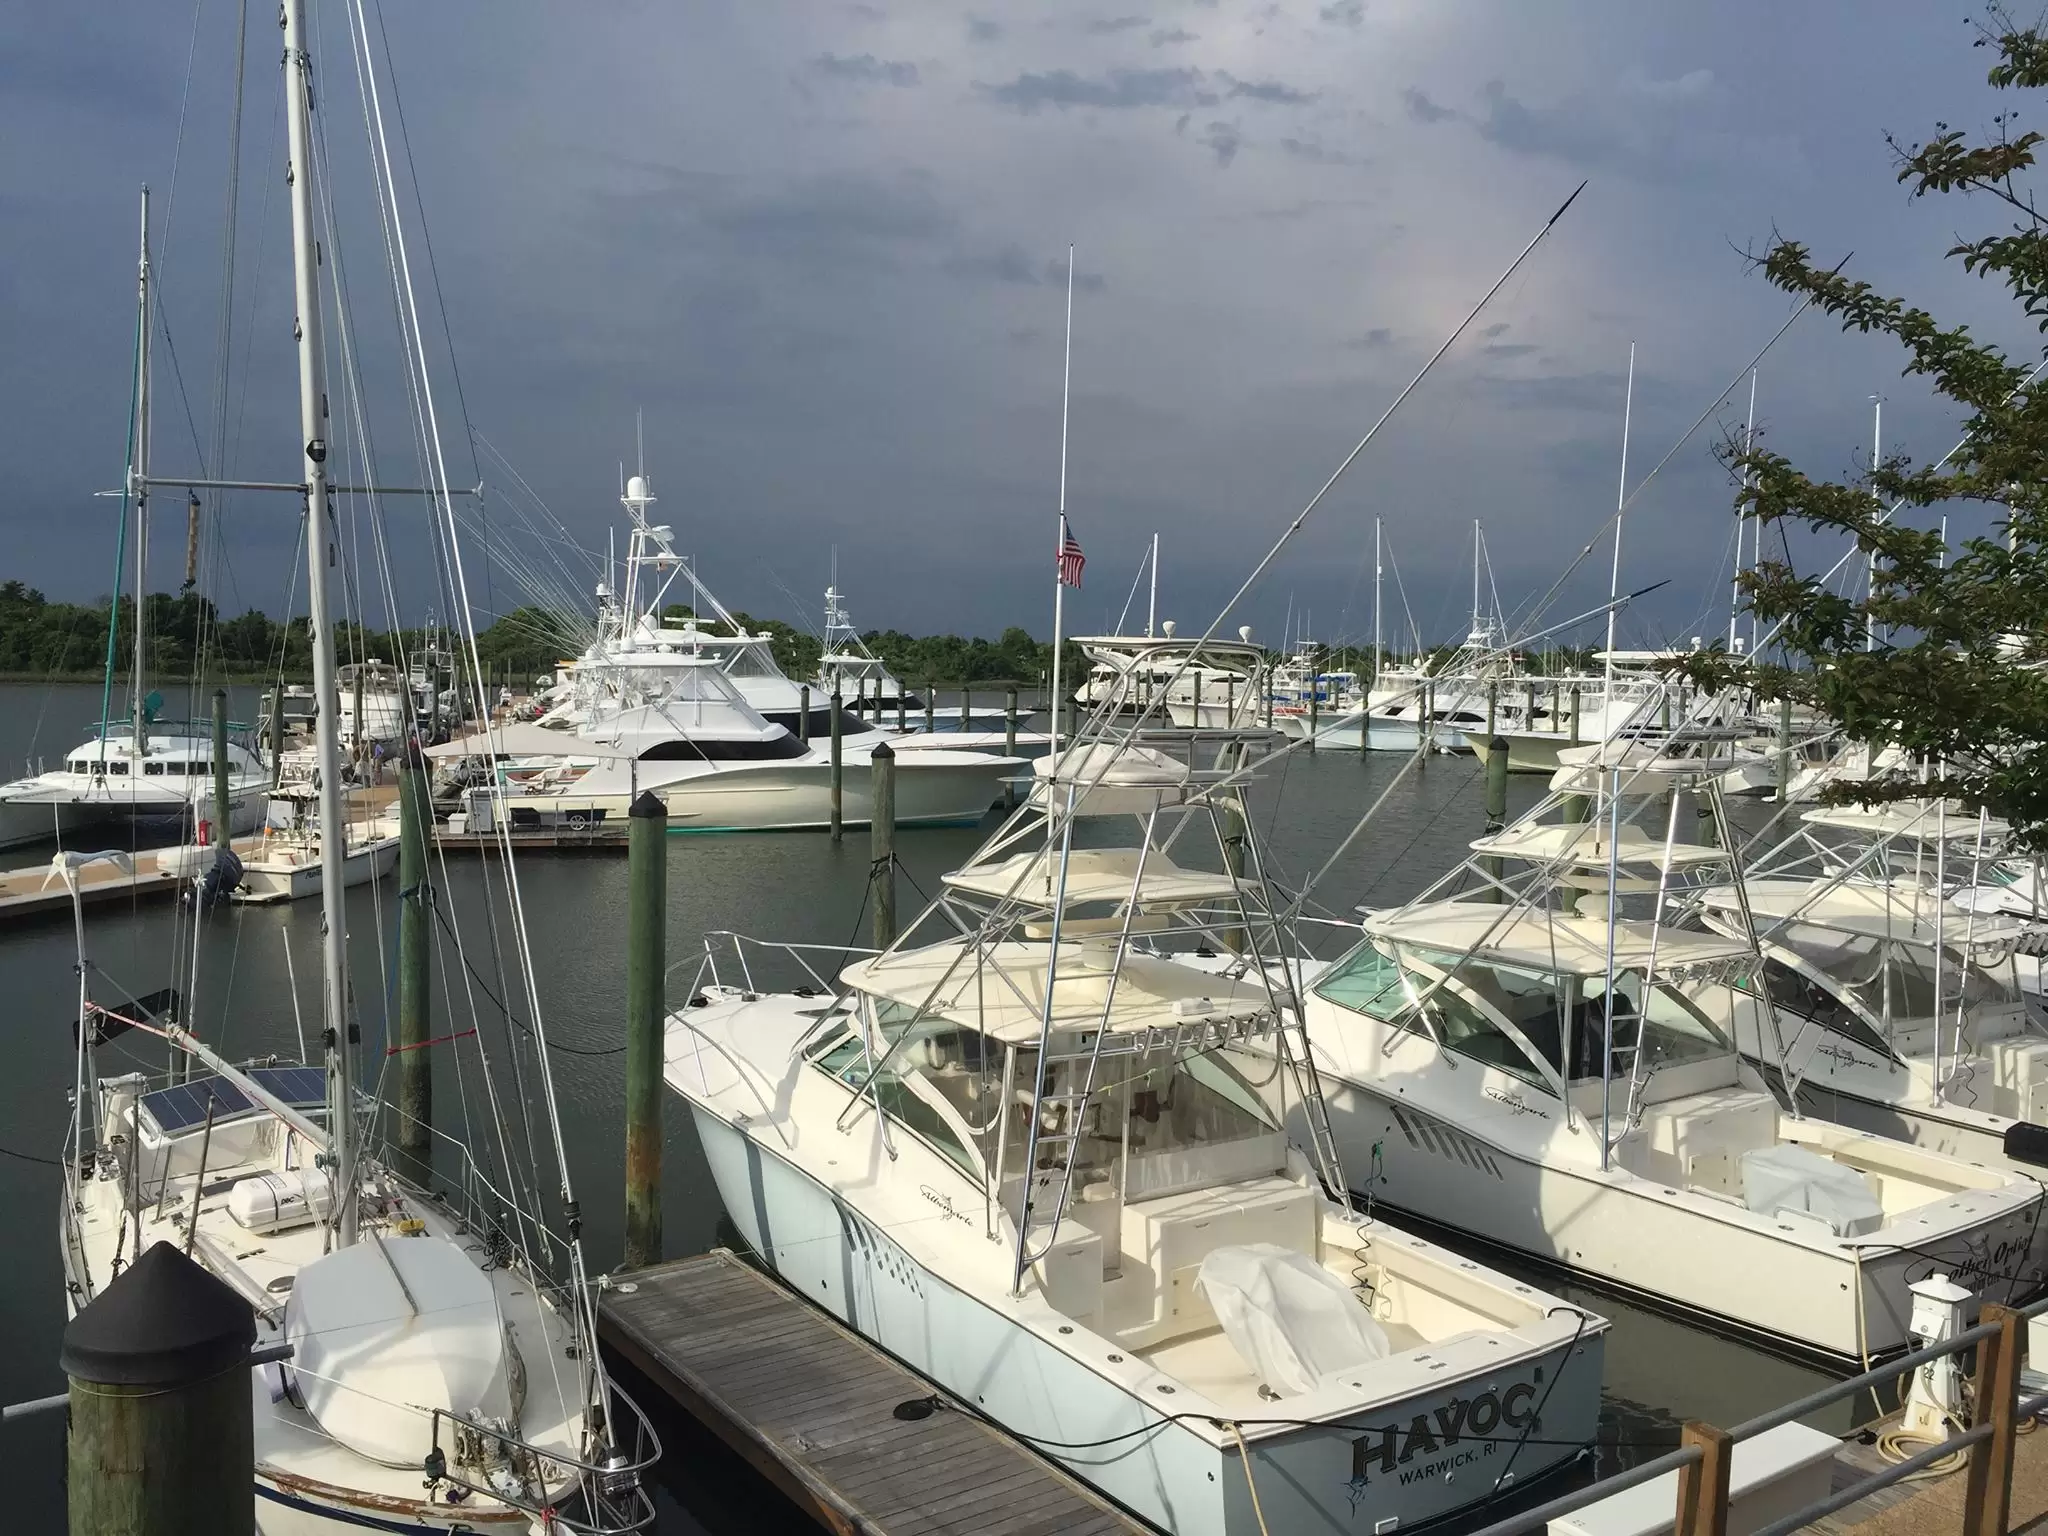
(39, 889)
(810, 1404)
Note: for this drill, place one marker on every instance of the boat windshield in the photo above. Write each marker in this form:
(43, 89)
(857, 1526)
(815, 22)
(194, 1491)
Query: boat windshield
(1894, 980)
(1556, 1023)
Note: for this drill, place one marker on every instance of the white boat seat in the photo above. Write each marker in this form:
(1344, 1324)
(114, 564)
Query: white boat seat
(1791, 1178)
(1290, 1320)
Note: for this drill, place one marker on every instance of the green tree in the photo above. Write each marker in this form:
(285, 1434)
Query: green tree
(1946, 656)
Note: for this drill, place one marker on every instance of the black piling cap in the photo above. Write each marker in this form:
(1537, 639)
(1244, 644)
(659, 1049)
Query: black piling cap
(648, 804)
(164, 1322)
(1498, 744)
(882, 753)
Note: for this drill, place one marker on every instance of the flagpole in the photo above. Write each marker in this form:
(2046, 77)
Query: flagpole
(1059, 549)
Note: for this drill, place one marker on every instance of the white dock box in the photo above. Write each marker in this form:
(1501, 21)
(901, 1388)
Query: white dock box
(1779, 1471)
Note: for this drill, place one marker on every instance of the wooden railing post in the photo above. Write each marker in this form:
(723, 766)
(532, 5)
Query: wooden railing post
(1987, 1490)
(1703, 1485)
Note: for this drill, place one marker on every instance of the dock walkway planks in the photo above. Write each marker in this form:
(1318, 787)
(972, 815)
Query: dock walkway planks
(809, 1403)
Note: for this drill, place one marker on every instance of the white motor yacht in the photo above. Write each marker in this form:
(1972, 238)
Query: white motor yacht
(1018, 1152)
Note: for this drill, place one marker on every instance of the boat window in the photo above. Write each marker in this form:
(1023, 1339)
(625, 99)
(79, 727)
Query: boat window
(117, 766)
(847, 1060)
(1796, 992)
(1673, 1032)
(761, 749)
(752, 660)
(149, 768)
(1370, 983)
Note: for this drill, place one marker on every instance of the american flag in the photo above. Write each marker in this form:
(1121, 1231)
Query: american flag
(1071, 558)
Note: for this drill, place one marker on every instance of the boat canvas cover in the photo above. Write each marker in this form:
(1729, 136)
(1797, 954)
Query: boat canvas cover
(1550, 942)
(1908, 914)
(516, 738)
(1788, 1177)
(373, 1356)
(1292, 1321)
(1093, 875)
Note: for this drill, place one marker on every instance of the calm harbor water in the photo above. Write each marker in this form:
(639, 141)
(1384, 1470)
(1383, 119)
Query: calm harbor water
(798, 887)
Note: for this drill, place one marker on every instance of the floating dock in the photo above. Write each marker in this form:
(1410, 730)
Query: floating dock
(811, 1405)
(40, 888)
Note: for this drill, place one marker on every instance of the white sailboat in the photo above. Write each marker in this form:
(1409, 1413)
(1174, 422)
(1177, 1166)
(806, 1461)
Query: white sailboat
(442, 1375)
(1017, 1150)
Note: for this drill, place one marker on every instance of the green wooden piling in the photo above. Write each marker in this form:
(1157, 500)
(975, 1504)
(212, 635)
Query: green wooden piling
(646, 967)
(276, 733)
(882, 844)
(1784, 750)
(415, 980)
(1010, 741)
(1496, 800)
(161, 1437)
(222, 822)
(966, 697)
(803, 730)
(930, 705)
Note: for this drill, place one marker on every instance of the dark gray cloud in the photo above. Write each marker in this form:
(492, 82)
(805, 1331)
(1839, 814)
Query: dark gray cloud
(1109, 26)
(1011, 264)
(1125, 89)
(1315, 152)
(801, 272)
(1223, 139)
(1273, 92)
(1118, 89)
(865, 68)
(1421, 109)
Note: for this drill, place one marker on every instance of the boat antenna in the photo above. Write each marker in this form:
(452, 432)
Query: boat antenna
(1742, 517)
(1059, 549)
(1628, 403)
(1152, 604)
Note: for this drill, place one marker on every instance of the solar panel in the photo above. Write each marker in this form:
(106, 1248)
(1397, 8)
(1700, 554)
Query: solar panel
(182, 1106)
(300, 1087)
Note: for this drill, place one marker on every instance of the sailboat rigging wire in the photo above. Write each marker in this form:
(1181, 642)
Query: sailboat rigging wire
(1387, 415)
(1642, 485)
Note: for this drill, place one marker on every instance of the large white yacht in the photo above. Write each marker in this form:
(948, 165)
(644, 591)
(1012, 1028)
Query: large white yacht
(692, 738)
(1532, 1065)
(1015, 1149)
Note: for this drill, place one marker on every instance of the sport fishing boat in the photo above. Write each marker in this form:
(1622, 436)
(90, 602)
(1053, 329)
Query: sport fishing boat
(1531, 1064)
(443, 1374)
(1901, 1004)
(1018, 1149)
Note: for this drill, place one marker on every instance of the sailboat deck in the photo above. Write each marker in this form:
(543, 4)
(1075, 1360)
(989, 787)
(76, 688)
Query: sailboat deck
(810, 1404)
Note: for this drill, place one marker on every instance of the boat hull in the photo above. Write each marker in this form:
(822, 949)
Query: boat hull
(1350, 1477)
(125, 820)
(1619, 1230)
(265, 883)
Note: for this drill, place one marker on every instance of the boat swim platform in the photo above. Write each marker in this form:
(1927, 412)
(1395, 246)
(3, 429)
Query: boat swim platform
(809, 1403)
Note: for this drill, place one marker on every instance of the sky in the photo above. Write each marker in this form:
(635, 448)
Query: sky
(820, 250)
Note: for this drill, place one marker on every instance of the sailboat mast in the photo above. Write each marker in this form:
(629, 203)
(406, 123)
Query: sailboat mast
(1620, 505)
(1059, 549)
(1475, 575)
(1870, 579)
(320, 551)
(1378, 570)
(1152, 603)
(142, 406)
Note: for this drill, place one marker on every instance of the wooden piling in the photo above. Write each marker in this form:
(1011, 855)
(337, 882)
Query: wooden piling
(1987, 1487)
(223, 823)
(838, 770)
(1496, 801)
(646, 967)
(161, 1439)
(882, 844)
(276, 734)
(1703, 1484)
(359, 750)
(1315, 711)
(966, 698)
(902, 705)
(803, 728)
(1784, 750)
(930, 705)
(1010, 741)
(1575, 714)
(415, 979)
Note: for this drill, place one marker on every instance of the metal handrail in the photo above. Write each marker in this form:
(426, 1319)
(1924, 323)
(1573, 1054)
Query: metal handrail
(1592, 1493)
(608, 1480)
